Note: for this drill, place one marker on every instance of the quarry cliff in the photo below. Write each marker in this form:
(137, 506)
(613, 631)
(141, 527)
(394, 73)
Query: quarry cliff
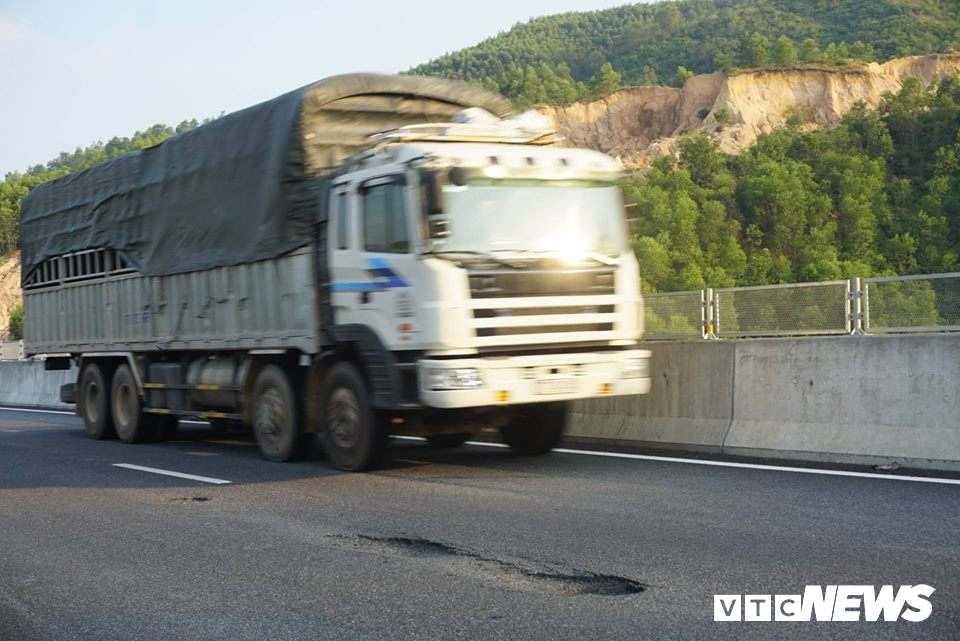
(639, 124)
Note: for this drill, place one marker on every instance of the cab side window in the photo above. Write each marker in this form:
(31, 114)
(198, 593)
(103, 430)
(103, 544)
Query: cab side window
(384, 219)
(343, 222)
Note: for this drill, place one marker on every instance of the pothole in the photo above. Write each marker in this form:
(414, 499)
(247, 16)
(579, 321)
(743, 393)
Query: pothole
(507, 573)
(186, 499)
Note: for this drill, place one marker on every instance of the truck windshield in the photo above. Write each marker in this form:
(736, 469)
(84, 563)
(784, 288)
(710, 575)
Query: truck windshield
(570, 222)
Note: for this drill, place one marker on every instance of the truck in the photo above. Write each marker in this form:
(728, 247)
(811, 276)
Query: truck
(368, 255)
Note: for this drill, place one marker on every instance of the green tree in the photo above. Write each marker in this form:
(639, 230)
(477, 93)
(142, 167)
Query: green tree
(606, 81)
(754, 50)
(809, 51)
(700, 155)
(680, 78)
(723, 61)
(669, 17)
(784, 53)
(15, 328)
(862, 51)
(784, 200)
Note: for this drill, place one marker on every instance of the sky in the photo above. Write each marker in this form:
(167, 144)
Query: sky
(73, 73)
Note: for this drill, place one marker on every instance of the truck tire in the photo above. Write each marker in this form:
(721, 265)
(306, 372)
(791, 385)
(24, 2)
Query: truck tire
(94, 403)
(353, 436)
(448, 440)
(131, 423)
(276, 416)
(536, 429)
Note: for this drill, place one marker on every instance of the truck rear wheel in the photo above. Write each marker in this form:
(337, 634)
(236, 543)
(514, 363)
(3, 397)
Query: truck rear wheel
(94, 403)
(352, 434)
(131, 423)
(536, 429)
(276, 416)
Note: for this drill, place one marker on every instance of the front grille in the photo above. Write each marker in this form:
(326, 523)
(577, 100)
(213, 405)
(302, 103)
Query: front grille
(507, 310)
(543, 329)
(541, 282)
(493, 312)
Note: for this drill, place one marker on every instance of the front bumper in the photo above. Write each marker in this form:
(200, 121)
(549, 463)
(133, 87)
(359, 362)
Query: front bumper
(514, 380)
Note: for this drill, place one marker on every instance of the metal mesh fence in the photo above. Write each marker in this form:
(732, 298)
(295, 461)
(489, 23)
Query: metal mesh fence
(912, 303)
(783, 310)
(673, 315)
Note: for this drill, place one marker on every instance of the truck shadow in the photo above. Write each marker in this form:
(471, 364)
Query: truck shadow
(59, 455)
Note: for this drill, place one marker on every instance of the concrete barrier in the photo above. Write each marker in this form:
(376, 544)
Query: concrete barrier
(859, 399)
(840, 399)
(844, 399)
(27, 383)
(689, 407)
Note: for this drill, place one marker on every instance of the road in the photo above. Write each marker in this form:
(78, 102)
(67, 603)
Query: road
(471, 544)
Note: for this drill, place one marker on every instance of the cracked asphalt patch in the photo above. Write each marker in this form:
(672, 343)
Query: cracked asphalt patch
(506, 573)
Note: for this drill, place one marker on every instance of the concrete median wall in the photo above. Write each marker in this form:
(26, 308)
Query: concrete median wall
(865, 399)
(27, 383)
(849, 399)
(689, 407)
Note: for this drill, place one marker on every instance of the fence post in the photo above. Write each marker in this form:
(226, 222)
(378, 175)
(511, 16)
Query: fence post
(864, 306)
(711, 314)
(850, 306)
(853, 307)
(20, 350)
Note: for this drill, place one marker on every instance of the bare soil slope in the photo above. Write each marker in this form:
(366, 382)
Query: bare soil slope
(639, 124)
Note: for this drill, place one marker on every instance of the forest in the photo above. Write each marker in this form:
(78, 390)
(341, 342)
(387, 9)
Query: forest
(575, 56)
(877, 195)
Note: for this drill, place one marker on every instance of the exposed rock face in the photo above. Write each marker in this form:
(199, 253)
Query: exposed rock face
(639, 124)
(10, 294)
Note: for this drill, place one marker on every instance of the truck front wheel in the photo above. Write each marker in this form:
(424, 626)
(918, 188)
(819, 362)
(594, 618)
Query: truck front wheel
(276, 416)
(352, 434)
(94, 403)
(536, 429)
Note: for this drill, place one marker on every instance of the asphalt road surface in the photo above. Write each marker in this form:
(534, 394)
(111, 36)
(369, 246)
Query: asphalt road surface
(473, 543)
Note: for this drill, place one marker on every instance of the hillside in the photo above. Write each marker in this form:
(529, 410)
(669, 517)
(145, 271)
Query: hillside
(646, 43)
(639, 124)
(9, 288)
(807, 172)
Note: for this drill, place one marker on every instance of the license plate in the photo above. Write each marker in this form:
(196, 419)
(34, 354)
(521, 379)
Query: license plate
(555, 386)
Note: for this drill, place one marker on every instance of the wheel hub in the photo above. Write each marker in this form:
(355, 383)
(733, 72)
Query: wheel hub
(269, 415)
(90, 402)
(343, 417)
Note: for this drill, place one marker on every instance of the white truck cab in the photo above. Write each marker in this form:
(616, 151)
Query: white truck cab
(504, 263)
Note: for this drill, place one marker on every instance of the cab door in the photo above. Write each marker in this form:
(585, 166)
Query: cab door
(373, 264)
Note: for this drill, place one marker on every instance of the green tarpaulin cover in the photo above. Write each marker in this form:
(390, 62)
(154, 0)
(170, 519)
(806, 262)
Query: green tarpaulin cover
(239, 189)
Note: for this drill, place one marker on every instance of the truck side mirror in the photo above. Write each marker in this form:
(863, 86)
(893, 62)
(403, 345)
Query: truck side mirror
(432, 182)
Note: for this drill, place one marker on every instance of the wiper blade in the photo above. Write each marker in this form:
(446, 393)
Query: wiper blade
(479, 254)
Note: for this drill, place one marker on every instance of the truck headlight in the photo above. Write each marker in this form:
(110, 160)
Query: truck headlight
(636, 369)
(454, 378)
